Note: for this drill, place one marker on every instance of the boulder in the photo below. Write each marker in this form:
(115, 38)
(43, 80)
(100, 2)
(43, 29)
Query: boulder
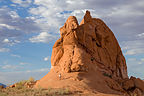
(138, 83)
(128, 84)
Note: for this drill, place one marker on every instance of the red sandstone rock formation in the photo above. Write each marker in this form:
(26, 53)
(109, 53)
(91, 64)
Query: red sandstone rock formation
(88, 58)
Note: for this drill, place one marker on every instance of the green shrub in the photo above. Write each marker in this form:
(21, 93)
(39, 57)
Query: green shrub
(20, 84)
(105, 74)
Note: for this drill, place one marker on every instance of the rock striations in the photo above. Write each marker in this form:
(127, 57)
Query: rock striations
(87, 58)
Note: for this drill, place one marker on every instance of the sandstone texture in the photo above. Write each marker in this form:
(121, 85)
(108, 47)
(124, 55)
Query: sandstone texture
(87, 58)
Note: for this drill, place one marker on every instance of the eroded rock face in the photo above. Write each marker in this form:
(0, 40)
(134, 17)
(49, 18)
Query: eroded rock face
(88, 57)
(88, 46)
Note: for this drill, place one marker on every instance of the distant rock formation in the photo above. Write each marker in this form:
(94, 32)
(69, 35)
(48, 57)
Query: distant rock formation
(88, 57)
(2, 85)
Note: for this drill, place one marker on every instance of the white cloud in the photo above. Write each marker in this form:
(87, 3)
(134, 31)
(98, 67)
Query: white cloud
(139, 62)
(14, 55)
(131, 59)
(39, 70)
(43, 37)
(24, 63)
(10, 42)
(50, 15)
(23, 3)
(9, 67)
(135, 51)
(134, 61)
(125, 11)
(46, 58)
(13, 14)
(6, 26)
(17, 41)
(6, 40)
(142, 59)
(4, 50)
(124, 17)
(141, 35)
(135, 66)
(14, 29)
(135, 47)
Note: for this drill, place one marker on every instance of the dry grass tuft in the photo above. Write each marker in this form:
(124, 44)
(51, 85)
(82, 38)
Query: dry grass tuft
(21, 89)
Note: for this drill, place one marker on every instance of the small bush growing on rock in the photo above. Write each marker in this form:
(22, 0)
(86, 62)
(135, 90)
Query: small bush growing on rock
(105, 74)
(31, 79)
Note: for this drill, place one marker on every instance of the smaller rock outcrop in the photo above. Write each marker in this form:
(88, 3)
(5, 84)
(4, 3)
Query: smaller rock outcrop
(26, 84)
(2, 86)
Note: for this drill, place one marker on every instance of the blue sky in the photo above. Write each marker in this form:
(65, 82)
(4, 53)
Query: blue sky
(29, 28)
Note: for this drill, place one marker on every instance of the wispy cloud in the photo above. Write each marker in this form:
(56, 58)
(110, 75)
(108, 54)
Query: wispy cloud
(13, 77)
(4, 50)
(135, 47)
(135, 66)
(9, 67)
(141, 35)
(24, 63)
(43, 37)
(14, 55)
(22, 3)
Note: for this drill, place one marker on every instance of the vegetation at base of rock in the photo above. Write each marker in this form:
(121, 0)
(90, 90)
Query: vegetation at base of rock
(24, 83)
(41, 92)
(33, 92)
(21, 89)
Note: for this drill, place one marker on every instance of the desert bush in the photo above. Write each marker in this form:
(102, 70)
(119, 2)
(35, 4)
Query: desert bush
(63, 92)
(20, 84)
(34, 92)
(31, 79)
(3, 94)
(49, 89)
(21, 89)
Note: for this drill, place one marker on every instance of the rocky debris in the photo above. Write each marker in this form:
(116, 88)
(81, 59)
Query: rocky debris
(23, 84)
(133, 86)
(89, 51)
(12, 86)
(128, 84)
(138, 83)
(137, 92)
(30, 84)
(114, 85)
